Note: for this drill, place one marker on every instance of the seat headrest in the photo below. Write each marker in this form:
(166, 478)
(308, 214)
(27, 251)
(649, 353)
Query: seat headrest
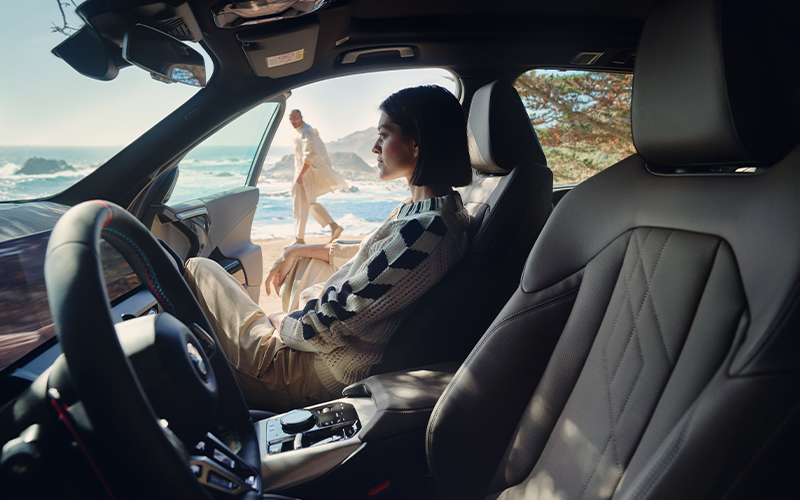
(500, 133)
(712, 87)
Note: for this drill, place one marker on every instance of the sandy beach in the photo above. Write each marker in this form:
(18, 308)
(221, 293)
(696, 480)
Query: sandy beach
(271, 250)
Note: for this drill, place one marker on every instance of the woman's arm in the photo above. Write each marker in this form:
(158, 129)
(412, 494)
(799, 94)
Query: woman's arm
(280, 269)
(410, 261)
(319, 251)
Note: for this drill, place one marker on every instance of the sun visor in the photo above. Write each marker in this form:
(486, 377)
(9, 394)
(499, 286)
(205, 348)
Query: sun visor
(281, 53)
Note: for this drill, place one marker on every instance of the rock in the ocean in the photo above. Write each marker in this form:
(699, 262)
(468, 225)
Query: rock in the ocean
(35, 166)
(283, 169)
(352, 167)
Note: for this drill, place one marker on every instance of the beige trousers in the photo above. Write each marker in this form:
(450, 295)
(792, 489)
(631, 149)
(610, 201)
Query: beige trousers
(272, 376)
(304, 204)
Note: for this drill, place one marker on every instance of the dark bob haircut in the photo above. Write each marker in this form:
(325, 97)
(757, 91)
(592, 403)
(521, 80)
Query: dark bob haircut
(434, 118)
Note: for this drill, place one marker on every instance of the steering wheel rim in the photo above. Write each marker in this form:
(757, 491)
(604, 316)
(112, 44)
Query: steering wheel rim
(102, 374)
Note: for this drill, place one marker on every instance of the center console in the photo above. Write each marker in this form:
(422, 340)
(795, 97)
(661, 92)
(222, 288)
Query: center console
(315, 426)
(381, 420)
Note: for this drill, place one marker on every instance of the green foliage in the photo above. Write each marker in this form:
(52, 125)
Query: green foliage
(583, 120)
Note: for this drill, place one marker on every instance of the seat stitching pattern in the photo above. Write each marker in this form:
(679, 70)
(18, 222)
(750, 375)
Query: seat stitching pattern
(661, 267)
(594, 472)
(628, 284)
(633, 337)
(627, 399)
(628, 300)
(648, 296)
(661, 341)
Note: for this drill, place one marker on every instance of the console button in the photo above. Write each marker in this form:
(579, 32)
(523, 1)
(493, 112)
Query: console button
(221, 482)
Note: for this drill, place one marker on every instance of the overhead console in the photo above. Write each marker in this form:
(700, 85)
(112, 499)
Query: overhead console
(316, 444)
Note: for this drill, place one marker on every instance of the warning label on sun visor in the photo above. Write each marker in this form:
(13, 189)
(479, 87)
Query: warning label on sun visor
(287, 58)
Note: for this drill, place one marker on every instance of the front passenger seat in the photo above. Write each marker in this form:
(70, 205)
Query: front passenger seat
(652, 349)
(509, 201)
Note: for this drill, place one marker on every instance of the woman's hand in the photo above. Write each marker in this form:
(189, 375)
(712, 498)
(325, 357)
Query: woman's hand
(280, 269)
(276, 318)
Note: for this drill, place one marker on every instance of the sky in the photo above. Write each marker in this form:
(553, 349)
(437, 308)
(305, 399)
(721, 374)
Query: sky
(45, 102)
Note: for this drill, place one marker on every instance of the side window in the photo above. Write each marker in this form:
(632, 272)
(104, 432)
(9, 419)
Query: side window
(344, 112)
(582, 119)
(225, 160)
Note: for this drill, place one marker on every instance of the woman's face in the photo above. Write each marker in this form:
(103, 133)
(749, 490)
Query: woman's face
(397, 152)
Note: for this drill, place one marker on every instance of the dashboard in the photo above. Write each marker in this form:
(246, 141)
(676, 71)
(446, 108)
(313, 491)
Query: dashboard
(28, 345)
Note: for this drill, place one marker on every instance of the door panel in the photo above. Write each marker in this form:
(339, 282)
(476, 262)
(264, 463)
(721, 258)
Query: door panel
(196, 220)
(189, 229)
(218, 227)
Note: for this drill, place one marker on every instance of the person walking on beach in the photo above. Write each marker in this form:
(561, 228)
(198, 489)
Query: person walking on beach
(340, 330)
(313, 176)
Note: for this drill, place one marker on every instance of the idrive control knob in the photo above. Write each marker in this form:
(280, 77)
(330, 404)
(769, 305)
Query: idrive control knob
(297, 421)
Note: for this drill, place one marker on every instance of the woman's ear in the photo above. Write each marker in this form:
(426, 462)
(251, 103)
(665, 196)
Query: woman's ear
(416, 150)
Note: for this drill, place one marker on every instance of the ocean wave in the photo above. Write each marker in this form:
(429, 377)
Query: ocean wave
(216, 161)
(272, 232)
(8, 169)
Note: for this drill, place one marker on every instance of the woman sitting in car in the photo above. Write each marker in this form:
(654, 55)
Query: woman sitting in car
(286, 360)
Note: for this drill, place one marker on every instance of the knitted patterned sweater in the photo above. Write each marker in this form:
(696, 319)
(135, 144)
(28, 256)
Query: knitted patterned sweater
(351, 320)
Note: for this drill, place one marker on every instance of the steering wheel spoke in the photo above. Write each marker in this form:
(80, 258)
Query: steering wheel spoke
(207, 341)
(216, 466)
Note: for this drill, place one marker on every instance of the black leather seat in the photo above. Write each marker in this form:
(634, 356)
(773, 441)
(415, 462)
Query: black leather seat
(652, 349)
(509, 200)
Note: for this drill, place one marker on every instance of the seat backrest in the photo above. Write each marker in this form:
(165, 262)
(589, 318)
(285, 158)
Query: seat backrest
(652, 349)
(509, 200)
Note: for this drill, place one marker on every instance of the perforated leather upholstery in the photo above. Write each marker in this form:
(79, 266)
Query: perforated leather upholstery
(652, 349)
(508, 207)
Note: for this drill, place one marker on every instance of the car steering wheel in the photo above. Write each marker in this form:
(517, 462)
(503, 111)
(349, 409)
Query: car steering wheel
(109, 366)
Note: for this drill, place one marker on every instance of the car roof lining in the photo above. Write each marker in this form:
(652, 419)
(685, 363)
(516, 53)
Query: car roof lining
(476, 48)
(458, 36)
(387, 9)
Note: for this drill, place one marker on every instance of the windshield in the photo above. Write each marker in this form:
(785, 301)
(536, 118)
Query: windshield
(56, 125)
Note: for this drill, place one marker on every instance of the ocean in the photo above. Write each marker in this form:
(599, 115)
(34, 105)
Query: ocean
(359, 210)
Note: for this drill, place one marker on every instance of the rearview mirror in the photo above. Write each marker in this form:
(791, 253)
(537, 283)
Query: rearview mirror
(166, 58)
